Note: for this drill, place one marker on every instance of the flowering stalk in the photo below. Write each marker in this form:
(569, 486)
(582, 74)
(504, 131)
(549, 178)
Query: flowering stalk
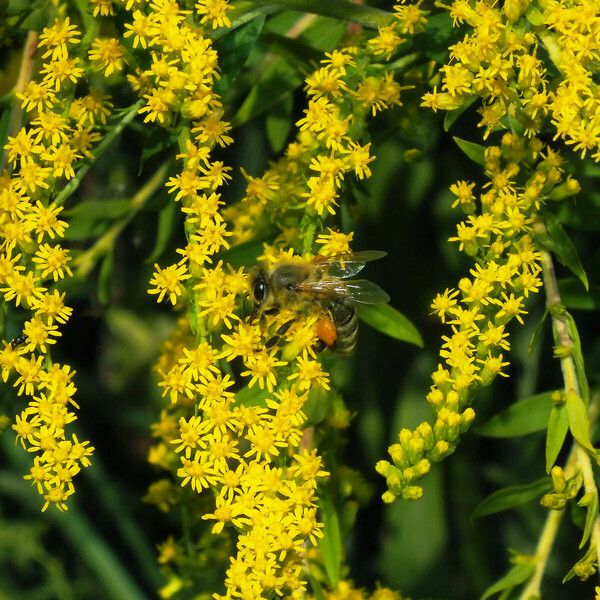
(42, 157)
(236, 431)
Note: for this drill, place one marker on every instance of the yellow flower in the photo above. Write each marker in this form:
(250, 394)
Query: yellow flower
(107, 53)
(214, 12)
(334, 242)
(261, 368)
(169, 281)
(57, 37)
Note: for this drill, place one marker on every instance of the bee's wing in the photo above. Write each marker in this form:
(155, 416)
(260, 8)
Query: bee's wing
(355, 290)
(347, 265)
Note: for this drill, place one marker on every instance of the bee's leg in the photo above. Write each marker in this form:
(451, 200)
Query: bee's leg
(319, 346)
(279, 333)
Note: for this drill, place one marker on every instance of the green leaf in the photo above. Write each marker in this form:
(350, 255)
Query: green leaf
(557, 241)
(154, 144)
(516, 576)
(437, 37)
(317, 406)
(558, 425)
(537, 334)
(388, 320)
(4, 123)
(590, 518)
(330, 545)
(512, 496)
(475, 152)
(316, 588)
(251, 396)
(166, 221)
(105, 279)
(246, 254)
(234, 49)
(99, 209)
(84, 229)
(578, 358)
(279, 79)
(279, 123)
(573, 296)
(525, 416)
(579, 420)
(452, 115)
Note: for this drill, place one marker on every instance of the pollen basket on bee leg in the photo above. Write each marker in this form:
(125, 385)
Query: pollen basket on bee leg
(326, 331)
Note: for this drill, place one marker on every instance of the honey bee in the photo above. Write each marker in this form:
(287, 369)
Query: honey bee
(320, 285)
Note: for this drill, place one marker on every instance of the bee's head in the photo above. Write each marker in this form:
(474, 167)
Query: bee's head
(259, 287)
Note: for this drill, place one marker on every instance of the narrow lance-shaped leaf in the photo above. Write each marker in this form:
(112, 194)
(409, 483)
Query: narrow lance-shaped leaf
(579, 421)
(452, 115)
(234, 49)
(573, 296)
(516, 576)
(526, 416)
(99, 209)
(476, 152)
(512, 496)
(578, 358)
(590, 518)
(388, 320)
(557, 241)
(330, 545)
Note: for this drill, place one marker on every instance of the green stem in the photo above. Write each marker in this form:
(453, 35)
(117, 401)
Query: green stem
(546, 541)
(563, 339)
(542, 552)
(85, 262)
(100, 148)
(367, 16)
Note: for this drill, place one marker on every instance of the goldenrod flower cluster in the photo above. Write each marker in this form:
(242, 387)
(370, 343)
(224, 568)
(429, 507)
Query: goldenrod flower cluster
(249, 455)
(498, 235)
(61, 129)
(499, 61)
(234, 422)
(302, 189)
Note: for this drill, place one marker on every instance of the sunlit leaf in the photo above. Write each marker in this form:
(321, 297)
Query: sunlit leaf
(476, 152)
(317, 406)
(388, 320)
(579, 420)
(330, 545)
(512, 496)
(526, 416)
(251, 396)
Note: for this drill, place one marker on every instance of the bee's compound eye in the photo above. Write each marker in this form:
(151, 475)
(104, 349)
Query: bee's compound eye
(259, 291)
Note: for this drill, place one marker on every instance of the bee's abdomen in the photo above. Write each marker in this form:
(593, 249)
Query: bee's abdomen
(346, 324)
